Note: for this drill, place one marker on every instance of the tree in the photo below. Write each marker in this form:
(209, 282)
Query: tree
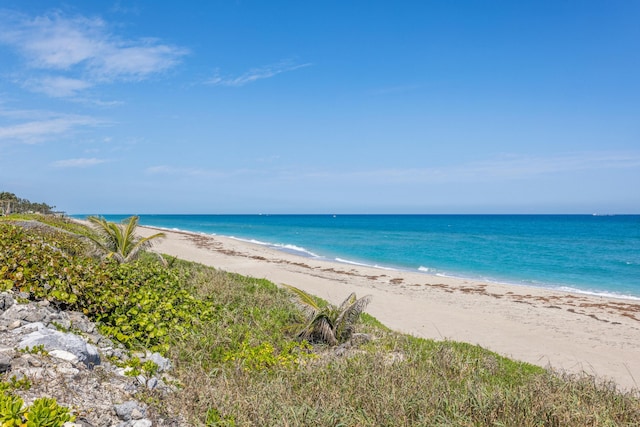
(10, 203)
(119, 240)
(330, 324)
(6, 201)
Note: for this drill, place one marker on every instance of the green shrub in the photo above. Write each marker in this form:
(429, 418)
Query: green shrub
(264, 356)
(44, 412)
(11, 411)
(140, 304)
(214, 419)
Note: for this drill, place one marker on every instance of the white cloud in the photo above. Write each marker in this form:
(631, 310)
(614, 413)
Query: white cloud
(85, 50)
(38, 126)
(58, 87)
(135, 60)
(78, 163)
(255, 74)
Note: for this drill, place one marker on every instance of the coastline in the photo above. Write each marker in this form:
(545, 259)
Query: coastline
(574, 253)
(302, 252)
(567, 331)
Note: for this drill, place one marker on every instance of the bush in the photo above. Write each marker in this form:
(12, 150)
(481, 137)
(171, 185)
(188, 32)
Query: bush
(139, 304)
(44, 412)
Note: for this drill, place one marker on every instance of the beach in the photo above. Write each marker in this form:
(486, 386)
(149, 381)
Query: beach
(569, 332)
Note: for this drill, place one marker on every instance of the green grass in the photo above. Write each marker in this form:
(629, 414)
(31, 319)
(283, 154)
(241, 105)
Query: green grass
(237, 362)
(394, 380)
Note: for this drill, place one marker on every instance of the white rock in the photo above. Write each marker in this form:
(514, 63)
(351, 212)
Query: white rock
(64, 355)
(55, 340)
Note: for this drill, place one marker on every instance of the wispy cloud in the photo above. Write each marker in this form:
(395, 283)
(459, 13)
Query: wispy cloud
(512, 166)
(78, 163)
(38, 126)
(82, 51)
(255, 74)
(196, 172)
(57, 87)
(508, 167)
(180, 171)
(498, 169)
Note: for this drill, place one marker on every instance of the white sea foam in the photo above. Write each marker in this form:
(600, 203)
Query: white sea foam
(360, 264)
(386, 268)
(295, 249)
(598, 293)
(346, 261)
(253, 241)
(298, 250)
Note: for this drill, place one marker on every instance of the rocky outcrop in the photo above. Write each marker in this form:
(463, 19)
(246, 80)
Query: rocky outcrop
(63, 356)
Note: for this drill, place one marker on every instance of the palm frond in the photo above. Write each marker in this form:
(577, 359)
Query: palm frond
(103, 238)
(347, 302)
(343, 326)
(145, 243)
(303, 297)
(324, 330)
(331, 324)
(119, 241)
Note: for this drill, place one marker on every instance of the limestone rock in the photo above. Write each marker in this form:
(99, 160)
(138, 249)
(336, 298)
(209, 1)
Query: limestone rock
(73, 371)
(163, 363)
(55, 340)
(130, 410)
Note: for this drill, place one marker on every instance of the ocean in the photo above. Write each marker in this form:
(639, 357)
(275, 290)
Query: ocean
(592, 254)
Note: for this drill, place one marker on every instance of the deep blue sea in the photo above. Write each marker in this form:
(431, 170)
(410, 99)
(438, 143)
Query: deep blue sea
(587, 253)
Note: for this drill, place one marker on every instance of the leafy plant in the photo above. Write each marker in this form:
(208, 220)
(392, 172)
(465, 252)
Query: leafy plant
(330, 324)
(36, 349)
(14, 383)
(119, 241)
(215, 419)
(265, 356)
(136, 367)
(139, 303)
(11, 410)
(45, 412)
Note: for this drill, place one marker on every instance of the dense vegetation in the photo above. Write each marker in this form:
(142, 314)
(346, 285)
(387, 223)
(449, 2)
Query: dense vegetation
(233, 341)
(10, 203)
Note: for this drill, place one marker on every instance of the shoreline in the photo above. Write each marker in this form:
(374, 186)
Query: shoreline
(567, 331)
(303, 252)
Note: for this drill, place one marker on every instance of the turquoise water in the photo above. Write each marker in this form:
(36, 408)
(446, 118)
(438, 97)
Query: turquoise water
(594, 254)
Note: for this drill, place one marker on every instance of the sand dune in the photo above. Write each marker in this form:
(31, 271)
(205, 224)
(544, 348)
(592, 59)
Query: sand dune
(570, 332)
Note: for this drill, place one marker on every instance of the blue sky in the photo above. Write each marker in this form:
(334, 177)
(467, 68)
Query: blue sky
(321, 107)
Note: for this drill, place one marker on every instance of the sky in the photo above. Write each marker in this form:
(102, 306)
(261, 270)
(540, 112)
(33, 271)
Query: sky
(140, 107)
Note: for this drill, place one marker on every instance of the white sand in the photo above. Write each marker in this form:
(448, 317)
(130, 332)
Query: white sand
(570, 332)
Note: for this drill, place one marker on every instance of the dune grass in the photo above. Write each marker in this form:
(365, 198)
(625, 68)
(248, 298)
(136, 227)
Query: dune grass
(392, 380)
(238, 363)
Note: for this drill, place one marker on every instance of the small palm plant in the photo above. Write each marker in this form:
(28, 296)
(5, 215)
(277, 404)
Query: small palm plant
(330, 324)
(119, 241)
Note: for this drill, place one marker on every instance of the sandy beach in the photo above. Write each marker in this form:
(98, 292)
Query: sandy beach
(568, 332)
